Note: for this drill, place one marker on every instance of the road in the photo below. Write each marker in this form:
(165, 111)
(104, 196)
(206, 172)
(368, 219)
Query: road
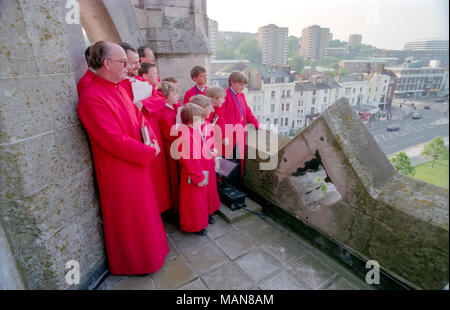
(412, 132)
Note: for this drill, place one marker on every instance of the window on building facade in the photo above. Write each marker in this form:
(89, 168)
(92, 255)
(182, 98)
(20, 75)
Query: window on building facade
(286, 122)
(287, 107)
(301, 93)
(360, 89)
(382, 99)
(324, 99)
(272, 94)
(354, 90)
(275, 121)
(325, 91)
(312, 110)
(283, 94)
(313, 100)
(347, 91)
(272, 108)
(314, 92)
(282, 107)
(288, 94)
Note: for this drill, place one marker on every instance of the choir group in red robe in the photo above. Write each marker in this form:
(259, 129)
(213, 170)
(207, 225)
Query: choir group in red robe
(138, 180)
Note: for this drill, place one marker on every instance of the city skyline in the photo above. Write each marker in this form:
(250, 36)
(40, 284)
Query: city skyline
(400, 21)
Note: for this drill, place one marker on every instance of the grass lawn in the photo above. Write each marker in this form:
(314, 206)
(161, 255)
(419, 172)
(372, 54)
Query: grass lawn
(437, 176)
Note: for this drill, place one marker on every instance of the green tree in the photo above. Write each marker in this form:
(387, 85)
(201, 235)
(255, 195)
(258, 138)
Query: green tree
(402, 164)
(294, 46)
(337, 43)
(435, 149)
(297, 63)
(248, 49)
(224, 52)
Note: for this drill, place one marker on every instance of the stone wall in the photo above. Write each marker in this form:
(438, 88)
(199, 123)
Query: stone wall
(176, 30)
(49, 207)
(368, 208)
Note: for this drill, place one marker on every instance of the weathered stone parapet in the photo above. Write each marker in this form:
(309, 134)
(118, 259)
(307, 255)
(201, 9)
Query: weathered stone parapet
(369, 208)
(49, 206)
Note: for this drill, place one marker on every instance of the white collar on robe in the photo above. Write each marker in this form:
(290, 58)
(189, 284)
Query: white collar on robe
(170, 106)
(92, 70)
(131, 79)
(201, 89)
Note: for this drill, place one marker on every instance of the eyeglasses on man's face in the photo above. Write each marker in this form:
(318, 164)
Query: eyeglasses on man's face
(124, 62)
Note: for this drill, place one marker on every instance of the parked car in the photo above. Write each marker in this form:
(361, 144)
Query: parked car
(427, 107)
(440, 100)
(416, 115)
(392, 128)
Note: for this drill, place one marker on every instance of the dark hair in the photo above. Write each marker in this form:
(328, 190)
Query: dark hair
(141, 50)
(196, 71)
(171, 80)
(145, 66)
(127, 47)
(99, 51)
(87, 53)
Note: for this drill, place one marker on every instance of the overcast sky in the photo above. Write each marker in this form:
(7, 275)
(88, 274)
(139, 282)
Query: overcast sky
(382, 23)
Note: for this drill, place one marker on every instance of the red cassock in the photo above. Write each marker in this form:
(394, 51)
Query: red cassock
(85, 80)
(235, 111)
(159, 171)
(194, 210)
(166, 120)
(210, 165)
(134, 232)
(193, 92)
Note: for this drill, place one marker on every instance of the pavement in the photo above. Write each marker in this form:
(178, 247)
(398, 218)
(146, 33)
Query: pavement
(252, 253)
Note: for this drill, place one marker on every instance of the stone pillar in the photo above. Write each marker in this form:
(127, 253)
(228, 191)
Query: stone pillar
(49, 207)
(176, 30)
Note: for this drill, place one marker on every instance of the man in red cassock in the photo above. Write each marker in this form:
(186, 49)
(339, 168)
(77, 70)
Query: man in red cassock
(88, 77)
(200, 78)
(134, 233)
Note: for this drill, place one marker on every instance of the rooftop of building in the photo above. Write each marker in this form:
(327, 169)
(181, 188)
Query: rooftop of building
(309, 86)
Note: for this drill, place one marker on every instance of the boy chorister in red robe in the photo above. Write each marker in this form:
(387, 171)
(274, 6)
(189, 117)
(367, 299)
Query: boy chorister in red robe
(209, 153)
(235, 111)
(200, 78)
(217, 94)
(194, 212)
(166, 121)
(133, 229)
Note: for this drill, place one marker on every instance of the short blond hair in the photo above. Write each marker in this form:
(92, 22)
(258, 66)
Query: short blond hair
(166, 88)
(190, 111)
(215, 92)
(201, 100)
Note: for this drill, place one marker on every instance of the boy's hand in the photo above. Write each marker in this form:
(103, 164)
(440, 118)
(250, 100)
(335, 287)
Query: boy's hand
(226, 141)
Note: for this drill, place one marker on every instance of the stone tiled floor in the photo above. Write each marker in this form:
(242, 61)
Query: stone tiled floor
(252, 253)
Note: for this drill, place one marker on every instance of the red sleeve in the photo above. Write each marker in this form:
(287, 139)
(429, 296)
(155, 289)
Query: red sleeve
(187, 96)
(166, 121)
(102, 127)
(249, 115)
(194, 169)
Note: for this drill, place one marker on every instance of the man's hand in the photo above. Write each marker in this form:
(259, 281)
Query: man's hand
(155, 145)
